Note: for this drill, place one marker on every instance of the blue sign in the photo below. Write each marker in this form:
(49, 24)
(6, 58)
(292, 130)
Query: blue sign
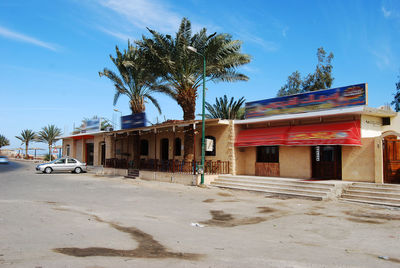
(133, 121)
(311, 101)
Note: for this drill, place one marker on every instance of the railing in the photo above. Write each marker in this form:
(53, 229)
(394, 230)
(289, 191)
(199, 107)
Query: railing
(172, 166)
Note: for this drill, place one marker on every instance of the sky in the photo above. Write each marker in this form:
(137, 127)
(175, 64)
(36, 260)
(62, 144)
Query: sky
(51, 52)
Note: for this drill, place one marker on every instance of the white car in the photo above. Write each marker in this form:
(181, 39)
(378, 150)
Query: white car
(3, 159)
(62, 164)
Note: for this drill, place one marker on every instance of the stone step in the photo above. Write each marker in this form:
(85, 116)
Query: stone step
(277, 192)
(357, 192)
(302, 186)
(370, 199)
(394, 204)
(369, 188)
(278, 179)
(377, 185)
(271, 189)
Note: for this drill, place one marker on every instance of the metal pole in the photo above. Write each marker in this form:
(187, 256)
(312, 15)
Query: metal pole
(203, 129)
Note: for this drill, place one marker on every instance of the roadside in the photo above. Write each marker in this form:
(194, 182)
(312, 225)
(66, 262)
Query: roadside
(49, 220)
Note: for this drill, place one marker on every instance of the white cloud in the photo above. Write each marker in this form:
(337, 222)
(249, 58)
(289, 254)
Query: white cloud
(118, 35)
(25, 38)
(269, 46)
(383, 56)
(143, 13)
(386, 13)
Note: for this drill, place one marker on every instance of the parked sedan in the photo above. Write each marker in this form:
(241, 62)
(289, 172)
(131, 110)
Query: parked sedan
(62, 164)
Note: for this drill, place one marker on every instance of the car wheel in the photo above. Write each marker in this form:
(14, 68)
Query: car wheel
(48, 170)
(77, 170)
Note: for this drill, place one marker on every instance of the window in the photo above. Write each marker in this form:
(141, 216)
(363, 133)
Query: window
(68, 149)
(144, 147)
(60, 161)
(210, 145)
(178, 146)
(268, 154)
(70, 160)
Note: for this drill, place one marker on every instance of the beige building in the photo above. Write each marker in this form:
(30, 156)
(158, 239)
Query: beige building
(328, 134)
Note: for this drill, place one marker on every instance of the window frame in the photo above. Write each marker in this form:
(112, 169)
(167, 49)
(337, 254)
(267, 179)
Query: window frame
(144, 147)
(267, 154)
(214, 151)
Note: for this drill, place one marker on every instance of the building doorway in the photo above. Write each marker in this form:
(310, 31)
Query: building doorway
(164, 149)
(391, 160)
(327, 162)
(103, 154)
(89, 153)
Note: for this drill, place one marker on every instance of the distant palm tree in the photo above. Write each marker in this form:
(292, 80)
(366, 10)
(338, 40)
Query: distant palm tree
(133, 80)
(49, 135)
(27, 136)
(225, 109)
(4, 141)
(181, 70)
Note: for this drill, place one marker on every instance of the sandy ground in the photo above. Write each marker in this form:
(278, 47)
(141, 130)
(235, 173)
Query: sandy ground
(71, 220)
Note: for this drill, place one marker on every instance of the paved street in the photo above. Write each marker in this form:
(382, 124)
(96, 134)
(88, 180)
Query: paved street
(71, 220)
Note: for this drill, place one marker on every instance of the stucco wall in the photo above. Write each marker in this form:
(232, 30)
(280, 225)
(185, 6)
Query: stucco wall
(358, 162)
(79, 150)
(69, 142)
(371, 126)
(97, 150)
(295, 161)
(245, 160)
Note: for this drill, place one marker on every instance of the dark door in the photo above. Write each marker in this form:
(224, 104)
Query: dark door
(391, 160)
(327, 162)
(164, 149)
(89, 153)
(103, 154)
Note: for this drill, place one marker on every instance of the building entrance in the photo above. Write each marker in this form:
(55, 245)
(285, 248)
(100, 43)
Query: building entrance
(89, 153)
(391, 160)
(327, 162)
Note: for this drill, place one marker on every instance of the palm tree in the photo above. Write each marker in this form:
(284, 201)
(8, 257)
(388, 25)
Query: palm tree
(225, 109)
(181, 71)
(27, 136)
(4, 141)
(136, 82)
(49, 135)
(133, 80)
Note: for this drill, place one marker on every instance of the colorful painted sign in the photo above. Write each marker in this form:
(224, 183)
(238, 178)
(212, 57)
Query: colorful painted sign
(312, 101)
(133, 121)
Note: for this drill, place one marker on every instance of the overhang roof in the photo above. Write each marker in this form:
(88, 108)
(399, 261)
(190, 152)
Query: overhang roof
(362, 110)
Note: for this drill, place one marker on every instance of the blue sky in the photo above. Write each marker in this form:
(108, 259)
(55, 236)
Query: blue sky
(51, 51)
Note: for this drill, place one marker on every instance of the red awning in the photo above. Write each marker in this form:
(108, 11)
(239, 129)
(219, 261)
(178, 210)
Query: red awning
(344, 133)
(262, 136)
(86, 137)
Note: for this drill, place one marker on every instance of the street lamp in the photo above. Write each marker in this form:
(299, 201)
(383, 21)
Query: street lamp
(116, 110)
(203, 129)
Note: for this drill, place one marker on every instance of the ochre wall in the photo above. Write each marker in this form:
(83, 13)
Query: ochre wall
(245, 161)
(358, 162)
(295, 161)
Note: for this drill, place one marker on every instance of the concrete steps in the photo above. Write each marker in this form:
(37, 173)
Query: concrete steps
(372, 193)
(280, 186)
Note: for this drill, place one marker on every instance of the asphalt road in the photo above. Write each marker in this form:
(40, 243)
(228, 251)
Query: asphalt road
(81, 220)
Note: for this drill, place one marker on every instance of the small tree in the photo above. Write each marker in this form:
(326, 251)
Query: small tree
(225, 109)
(49, 135)
(26, 137)
(396, 101)
(4, 141)
(320, 79)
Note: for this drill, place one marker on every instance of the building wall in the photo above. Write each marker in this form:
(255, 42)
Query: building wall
(295, 161)
(69, 142)
(79, 150)
(245, 160)
(371, 126)
(98, 140)
(358, 162)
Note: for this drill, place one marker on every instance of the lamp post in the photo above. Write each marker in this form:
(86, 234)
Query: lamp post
(203, 128)
(120, 124)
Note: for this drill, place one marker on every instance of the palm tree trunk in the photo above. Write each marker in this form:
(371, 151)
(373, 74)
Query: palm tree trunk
(188, 106)
(50, 151)
(26, 149)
